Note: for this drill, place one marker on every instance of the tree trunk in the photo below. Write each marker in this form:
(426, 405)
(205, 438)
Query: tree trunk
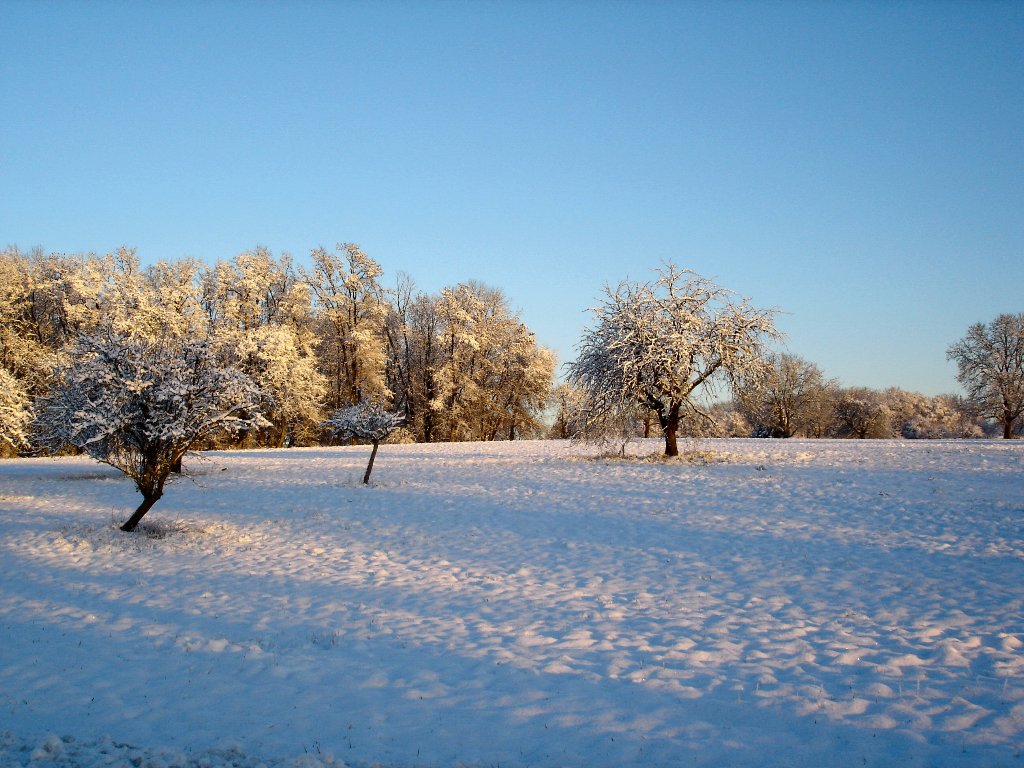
(282, 433)
(369, 467)
(1007, 429)
(670, 426)
(144, 507)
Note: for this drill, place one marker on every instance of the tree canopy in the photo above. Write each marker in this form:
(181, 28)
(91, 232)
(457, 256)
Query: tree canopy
(662, 343)
(140, 404)
(990, 366)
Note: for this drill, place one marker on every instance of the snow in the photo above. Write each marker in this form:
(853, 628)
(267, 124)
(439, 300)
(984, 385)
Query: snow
(777, 603)
(367, 420)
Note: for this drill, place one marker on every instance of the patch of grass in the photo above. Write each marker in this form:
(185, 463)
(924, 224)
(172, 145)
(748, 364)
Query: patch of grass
(159, 529)
(692, 456)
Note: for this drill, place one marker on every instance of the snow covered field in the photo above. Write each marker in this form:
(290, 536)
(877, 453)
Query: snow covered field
(799, 603)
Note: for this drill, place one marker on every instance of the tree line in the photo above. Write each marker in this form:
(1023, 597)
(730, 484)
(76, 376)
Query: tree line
(677, 355)
(456, 365)
(660, 350)
(799, 401)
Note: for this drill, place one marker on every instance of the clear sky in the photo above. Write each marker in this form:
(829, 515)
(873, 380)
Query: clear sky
(860, 166)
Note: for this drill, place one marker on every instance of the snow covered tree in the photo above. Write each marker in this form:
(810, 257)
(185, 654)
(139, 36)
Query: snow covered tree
(260, 317)
(786, 398)
(414, 355)
(278, 361)
(253, 290)
(62, 296)
(109, 291)
(351, 317)
(139, 404)
(366, 420)
(662, 344)
(491, 379)
(520, 393)
(177, 304)
(730, 421)
(412, 331)
(567, 403)
(917, 417)
(990, 366)
(862, 413)
(23, 344)
(15, 412)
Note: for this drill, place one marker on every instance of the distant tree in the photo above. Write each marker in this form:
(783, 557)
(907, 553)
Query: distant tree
(26, 341)
(260, 318)
(177, 288)
(661, 344)
(917, 417)
(367, 420)
(990, 366)
(252, 290)
(139, 404)
(60, 295)
(730, 421)
(820, 410)
(785, 399)
(862, 413)
(567, 403)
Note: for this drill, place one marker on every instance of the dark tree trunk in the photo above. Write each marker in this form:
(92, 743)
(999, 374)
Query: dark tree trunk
(369, 467)
(144, 507)
(670, 426)
(1007, 429)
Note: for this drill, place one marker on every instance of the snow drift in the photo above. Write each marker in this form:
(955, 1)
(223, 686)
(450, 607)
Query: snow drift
(797, 603)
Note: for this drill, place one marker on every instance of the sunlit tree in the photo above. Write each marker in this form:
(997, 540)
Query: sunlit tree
(351, 315)
(662, 344)
(15, 412)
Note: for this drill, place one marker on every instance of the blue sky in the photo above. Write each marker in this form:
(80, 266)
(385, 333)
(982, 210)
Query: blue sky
(860, 166)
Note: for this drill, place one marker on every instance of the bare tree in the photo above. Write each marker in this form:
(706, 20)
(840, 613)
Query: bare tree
(786, 399)
(140, 404)
(661, 344)
(990, 366)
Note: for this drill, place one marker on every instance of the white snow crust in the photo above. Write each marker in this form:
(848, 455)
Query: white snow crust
(778, 603)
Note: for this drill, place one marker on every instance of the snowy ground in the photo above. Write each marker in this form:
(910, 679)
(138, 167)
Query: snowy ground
(520, 604)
